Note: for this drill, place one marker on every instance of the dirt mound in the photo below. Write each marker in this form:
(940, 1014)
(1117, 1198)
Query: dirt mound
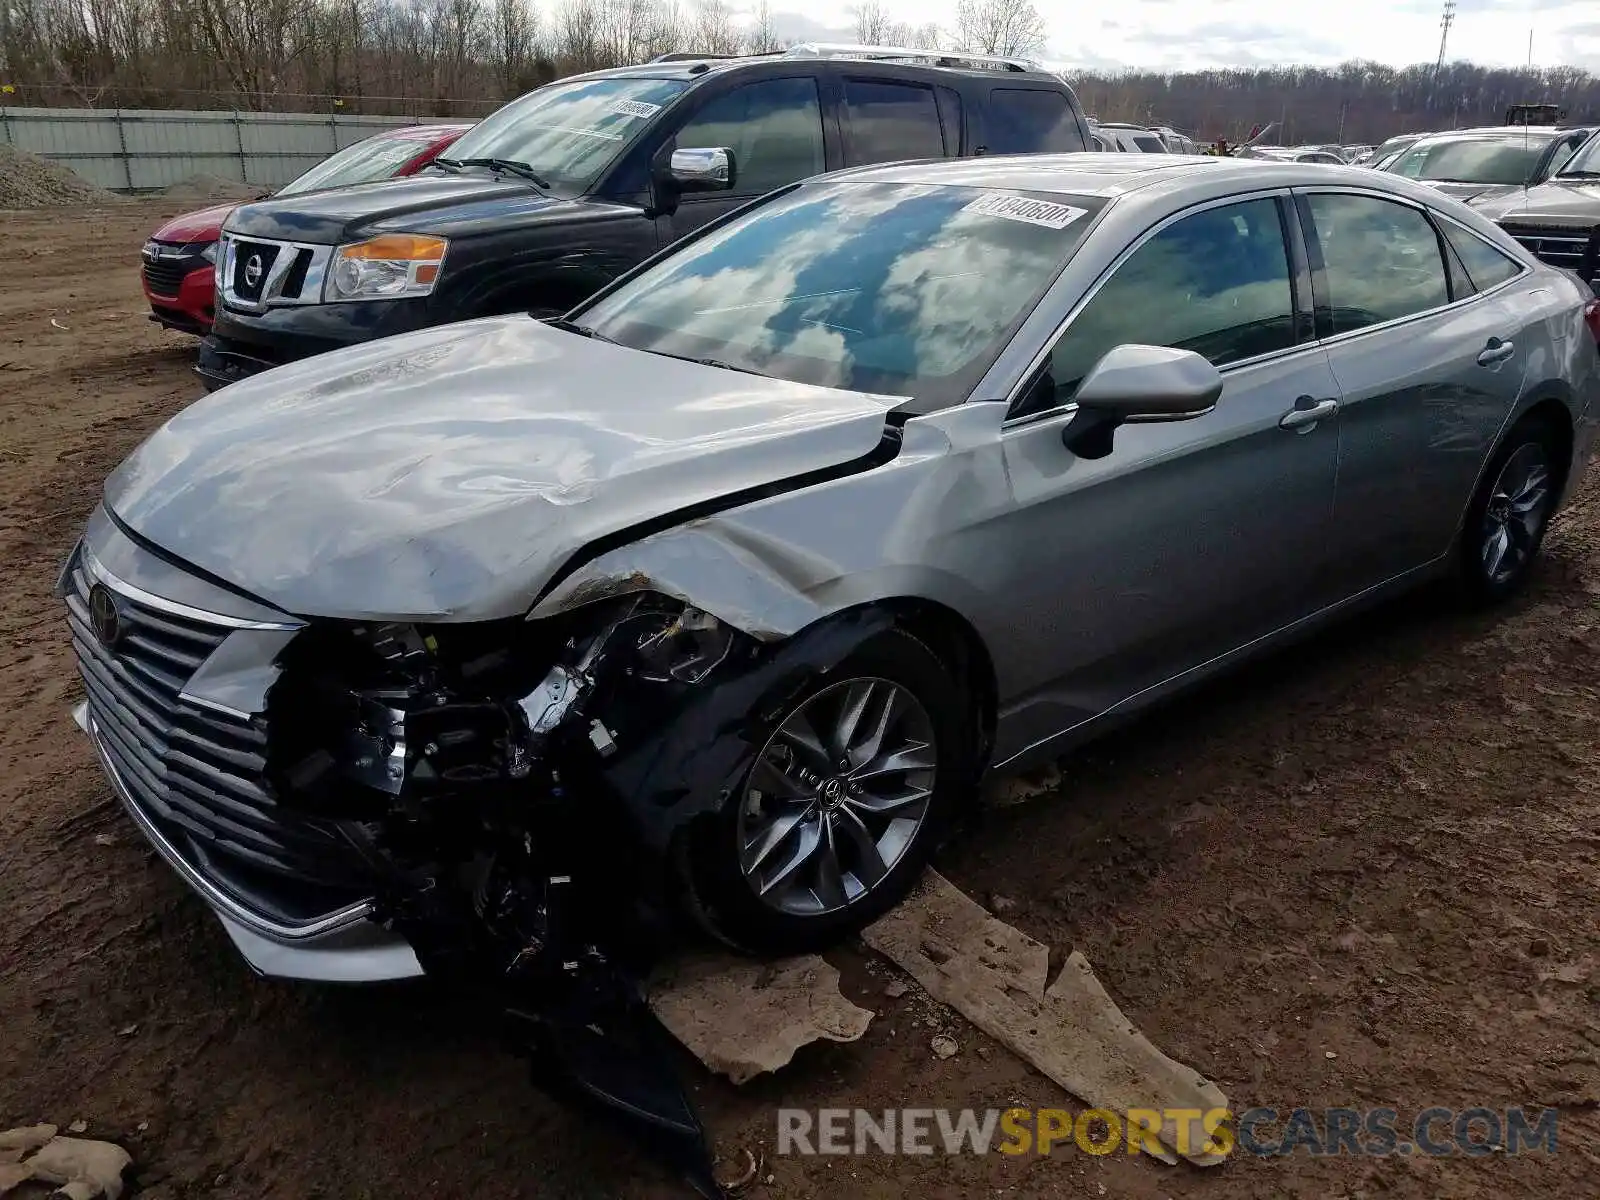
(28, 181)
(212, 187)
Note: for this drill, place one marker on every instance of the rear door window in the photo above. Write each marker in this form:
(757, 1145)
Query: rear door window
(1030, 121)
(890, 120)
(1381, 260)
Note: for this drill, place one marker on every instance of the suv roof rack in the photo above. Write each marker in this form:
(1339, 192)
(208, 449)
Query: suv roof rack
(941, 58)
(690, 56)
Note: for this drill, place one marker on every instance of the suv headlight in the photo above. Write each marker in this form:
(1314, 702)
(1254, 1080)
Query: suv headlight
(209, 252)
(390, 267)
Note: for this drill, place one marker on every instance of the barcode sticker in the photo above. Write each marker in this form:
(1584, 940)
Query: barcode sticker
(635, 108)
(1035, 212)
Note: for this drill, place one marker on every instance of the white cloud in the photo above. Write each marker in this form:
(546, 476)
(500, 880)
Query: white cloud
(1179, 35)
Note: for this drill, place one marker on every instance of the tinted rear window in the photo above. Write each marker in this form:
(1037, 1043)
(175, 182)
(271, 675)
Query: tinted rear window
(1029, 121)
(888, 122)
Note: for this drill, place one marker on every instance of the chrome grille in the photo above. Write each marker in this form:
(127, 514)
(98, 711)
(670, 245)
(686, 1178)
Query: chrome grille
(198, 776)
(1560, 247)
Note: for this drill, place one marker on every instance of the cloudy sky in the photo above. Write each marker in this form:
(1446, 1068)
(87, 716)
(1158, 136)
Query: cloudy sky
(1181, 34)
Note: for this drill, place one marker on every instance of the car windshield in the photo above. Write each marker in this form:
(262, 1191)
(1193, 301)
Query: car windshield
(368, 160)
(1396, 144)
(568, 133)
(1586, 162)
(903, 289)
(1509, 159)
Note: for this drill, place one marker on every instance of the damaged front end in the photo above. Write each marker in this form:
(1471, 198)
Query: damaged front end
(520, 792)
(500, 803)
(494, 777)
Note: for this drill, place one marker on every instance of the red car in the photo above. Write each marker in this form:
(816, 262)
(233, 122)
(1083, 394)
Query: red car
(179, 259)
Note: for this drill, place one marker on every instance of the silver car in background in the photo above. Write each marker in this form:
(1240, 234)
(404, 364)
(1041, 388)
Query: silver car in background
(731, 583)
(1482, 164)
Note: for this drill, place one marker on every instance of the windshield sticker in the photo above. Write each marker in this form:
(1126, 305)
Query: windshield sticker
(1034, 212)
(635, 108)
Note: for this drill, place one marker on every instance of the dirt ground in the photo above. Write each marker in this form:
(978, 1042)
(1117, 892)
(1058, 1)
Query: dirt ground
(1365, 873)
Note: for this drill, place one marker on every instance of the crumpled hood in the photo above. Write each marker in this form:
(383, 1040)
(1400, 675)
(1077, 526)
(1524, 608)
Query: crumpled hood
(448, 474)
(1556, 201)
(204, 225)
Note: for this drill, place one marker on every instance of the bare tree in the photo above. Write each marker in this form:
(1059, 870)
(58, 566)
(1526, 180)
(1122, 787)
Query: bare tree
(577, 34)
(713, 30)
(1000, 26)
(873, 24)
(516, 32)
(761, 38)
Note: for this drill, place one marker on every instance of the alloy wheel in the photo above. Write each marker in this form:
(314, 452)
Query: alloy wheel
(837, 796)
(1515, 513)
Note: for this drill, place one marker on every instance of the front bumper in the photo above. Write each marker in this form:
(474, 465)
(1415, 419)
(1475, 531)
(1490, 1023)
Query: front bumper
(185, 761)
(186, 308)
(244, 344)
(346, 946)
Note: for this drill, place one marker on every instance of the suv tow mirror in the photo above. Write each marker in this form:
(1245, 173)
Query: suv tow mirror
(702, 169)
(1134, 383)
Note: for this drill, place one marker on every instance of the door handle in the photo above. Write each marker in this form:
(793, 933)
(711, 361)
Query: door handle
(1496, 351)
(1307, 411)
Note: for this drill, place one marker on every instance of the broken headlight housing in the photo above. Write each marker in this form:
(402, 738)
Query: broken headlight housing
(390, 722)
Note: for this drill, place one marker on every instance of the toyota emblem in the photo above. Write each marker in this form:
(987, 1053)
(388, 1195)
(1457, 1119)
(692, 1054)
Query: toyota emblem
(104, 617)
(252, 271)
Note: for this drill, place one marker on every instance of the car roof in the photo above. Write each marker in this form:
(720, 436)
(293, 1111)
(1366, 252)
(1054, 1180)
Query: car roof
(1491, 132)
(1065, 174)
(690, 70)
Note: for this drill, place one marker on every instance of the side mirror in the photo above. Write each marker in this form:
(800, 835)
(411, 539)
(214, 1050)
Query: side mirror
(1134, 383)
(708, 169)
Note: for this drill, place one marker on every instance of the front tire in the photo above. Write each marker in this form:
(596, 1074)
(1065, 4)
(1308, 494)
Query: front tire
(1510, 513)
(851, 788)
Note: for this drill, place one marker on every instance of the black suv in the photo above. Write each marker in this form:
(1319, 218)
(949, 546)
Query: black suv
(559, 192)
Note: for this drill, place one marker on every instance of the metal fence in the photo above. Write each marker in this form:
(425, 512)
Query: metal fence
(136, 150)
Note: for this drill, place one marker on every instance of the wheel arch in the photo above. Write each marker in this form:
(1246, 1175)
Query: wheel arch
(1544, 404)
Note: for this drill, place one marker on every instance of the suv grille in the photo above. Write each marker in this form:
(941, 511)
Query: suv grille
(1571, 249)
(252, 267)
(197, 776)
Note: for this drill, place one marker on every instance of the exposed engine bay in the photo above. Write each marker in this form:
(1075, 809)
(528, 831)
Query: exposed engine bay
(519, 797)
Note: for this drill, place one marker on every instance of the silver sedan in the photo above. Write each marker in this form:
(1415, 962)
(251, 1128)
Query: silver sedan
(734, 580)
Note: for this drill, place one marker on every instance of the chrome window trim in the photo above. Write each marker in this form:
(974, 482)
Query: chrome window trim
(1336, 340)
(1104, 277)
(272, 287)
(161, 604)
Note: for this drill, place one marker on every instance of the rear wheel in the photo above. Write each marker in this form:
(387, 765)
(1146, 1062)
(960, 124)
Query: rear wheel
(1506, 522)
(846, 798)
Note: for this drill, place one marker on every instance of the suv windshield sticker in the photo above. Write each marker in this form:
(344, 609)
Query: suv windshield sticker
(1034, 212)
(635, 108)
